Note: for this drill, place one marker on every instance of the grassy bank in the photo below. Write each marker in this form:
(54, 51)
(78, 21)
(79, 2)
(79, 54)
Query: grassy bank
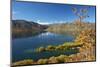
(62, 47)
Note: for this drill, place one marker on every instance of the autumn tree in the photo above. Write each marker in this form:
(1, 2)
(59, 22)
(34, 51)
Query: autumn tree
(81, 13)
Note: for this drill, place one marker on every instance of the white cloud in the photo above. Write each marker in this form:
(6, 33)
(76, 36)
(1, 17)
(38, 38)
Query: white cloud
(43, 23)
(51, 22)
(60, 22)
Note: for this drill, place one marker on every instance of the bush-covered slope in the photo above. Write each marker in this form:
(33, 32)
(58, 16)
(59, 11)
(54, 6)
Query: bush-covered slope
(73, 28)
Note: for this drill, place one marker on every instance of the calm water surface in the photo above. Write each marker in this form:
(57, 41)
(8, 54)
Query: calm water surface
(23, 48)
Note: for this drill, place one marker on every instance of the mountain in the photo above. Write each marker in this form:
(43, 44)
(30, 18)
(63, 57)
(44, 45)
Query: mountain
(23, 27)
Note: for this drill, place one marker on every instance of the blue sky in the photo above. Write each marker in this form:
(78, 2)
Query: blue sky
(45, 13)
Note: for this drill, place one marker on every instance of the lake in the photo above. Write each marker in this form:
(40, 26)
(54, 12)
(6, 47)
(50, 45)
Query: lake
(23, 48)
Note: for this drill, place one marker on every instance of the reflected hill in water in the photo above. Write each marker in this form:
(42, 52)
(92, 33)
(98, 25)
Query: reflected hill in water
(23, 28)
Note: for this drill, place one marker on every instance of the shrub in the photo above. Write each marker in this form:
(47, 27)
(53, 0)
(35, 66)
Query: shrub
(86, 36)
(40, 49)
(61, 47)
(53, 60)
(23, 62)
(42, 61)
(50, 48)
(61, 58)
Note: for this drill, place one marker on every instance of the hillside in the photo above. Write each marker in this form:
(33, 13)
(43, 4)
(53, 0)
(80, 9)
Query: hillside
(25, 28)
(72, 28)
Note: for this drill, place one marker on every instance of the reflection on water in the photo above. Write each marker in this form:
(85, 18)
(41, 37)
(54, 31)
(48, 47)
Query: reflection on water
(23, 48)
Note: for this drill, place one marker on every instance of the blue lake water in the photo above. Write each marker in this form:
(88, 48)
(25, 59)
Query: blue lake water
(23, 48)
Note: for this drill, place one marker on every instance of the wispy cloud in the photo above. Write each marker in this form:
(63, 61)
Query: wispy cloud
(51, 22)
(44, 23)
(14, 12)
